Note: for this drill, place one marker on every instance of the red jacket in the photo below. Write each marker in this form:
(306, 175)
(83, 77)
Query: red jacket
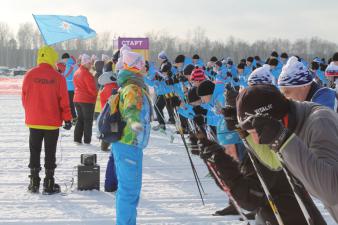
(85, 86)
(106, 93)
(45, 97)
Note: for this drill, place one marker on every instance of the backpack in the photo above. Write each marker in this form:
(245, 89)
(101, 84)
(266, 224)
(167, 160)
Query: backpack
(109, 123)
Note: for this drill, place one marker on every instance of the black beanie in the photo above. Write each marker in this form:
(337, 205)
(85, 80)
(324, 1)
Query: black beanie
(179, 59)
(274, 54)
(241, 66)
(261, 99)
(243, 61)
(273, 62)
(188, 70)
(195, 56)
(257, 58)
(192, 95)
(284, 55)
(213, 59)
(335, 57)
(205, 88)
(250, 59)
(219, 63)
(65, 56)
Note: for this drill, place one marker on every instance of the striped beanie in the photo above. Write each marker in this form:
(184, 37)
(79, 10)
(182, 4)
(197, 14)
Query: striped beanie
(261, 75)
(294, 74)
(197, 75)
(331, 70)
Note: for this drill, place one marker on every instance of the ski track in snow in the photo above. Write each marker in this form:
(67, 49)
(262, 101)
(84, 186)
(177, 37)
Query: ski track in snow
(169, 193)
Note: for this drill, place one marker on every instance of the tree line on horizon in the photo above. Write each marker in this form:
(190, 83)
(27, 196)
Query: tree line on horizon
(19, 49)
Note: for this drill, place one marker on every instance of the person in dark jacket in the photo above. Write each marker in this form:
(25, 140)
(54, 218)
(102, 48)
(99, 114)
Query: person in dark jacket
(46, 104)
(84, 99)
(304, 134)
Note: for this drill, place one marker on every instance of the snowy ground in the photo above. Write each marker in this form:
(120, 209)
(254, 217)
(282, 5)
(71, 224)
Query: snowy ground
(169, 194)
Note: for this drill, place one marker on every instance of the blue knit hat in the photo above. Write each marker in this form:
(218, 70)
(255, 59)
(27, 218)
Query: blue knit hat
(261, 75)
(294, 74)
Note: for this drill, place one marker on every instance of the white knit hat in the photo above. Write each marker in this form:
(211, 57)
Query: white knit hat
(85, 59)
(261, 75)
(133, 60)
(294, 74)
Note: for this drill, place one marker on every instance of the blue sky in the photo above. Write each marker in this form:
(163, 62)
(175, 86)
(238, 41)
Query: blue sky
(246, 19)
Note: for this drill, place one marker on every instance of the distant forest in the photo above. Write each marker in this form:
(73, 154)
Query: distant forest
(19, 49)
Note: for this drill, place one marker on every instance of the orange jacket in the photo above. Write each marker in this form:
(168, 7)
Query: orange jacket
(85, 86)
(45, 97)
(106, 93)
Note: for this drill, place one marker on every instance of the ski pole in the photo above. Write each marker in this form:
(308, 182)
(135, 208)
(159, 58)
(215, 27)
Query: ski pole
(226, 190)
(192, 164)
(179, 129)
(293, 186)
(265, 188)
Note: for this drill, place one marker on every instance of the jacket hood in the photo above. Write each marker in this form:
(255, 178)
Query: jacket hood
(48, 55)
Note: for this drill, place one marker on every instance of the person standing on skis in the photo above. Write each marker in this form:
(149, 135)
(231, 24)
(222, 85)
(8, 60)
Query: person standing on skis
(46, 104)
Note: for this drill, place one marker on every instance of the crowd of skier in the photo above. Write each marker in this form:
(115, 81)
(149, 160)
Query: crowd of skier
(266, 129)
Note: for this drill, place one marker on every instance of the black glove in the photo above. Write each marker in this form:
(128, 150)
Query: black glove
(200, 119)
(158, 77)
(230, 95)
(229, 74)
(208, 151)
(175, 80)
(68, 125)
(200, 110)
(270, 131)
(169, 82)
(175, 101)
(230, 117)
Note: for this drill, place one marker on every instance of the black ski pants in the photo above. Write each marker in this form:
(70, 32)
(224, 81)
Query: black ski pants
(84, 124)
(50, 139)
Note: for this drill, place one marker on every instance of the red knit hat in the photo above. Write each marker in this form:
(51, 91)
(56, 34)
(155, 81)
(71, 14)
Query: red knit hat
(197, 75)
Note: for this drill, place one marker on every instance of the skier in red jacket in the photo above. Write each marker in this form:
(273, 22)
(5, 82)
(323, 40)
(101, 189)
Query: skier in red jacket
(46, 104)
(84, 98)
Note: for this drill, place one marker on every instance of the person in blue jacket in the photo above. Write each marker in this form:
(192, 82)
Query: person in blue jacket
(70, 69)
(296, 82)
(211, 101)
(319, 75)
(197, 61)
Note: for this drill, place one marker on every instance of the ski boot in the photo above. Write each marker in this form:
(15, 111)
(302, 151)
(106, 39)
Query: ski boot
(49, 185)
(34, 183)
(227, 211)
(105, 146)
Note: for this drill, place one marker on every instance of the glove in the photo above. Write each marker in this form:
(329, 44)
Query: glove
(230, 95)
(208, 151)
(175, 101)
(230, 117)
(200, 110)
(158, 77)
(169, 82)
(200, 120)
(229, 74)
(137, 127)
(68, 125)
(270, 131)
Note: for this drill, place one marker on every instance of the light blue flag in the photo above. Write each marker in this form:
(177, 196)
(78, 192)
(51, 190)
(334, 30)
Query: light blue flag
(56, 28)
